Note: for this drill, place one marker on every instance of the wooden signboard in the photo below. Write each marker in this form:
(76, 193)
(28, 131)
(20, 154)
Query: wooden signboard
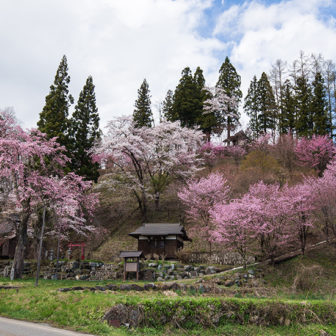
(132, 267)
(131, 262)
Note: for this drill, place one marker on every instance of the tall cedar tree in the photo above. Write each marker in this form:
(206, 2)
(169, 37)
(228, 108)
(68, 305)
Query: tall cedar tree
(142, 115)
(188, 99)
(230, 81)
(251, 107)
(200, 95)
(330, 80)
(54, 116)
(304, 120)
(167, 106)
(84, 133)
(319, 107)
(266, 104)
(287, 115)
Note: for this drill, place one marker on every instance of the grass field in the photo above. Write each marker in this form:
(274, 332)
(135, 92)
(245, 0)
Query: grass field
(83, 311)
(305, 280)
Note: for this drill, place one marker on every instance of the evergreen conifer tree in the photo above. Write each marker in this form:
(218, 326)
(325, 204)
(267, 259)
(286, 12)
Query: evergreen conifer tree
(251, 107)
(167, 106)
(304, 119)
(54, 116)
(142, 115)
(84, 133)
(230, 81)
(266, 104)
(187, 106)
(200, 95)
(287, 115)
(319, 107)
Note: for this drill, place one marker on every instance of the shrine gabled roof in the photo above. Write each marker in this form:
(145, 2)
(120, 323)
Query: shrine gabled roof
(160, 229)
(130, 254)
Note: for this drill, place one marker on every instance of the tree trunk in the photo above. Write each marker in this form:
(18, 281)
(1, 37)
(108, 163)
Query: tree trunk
(142, 201)
(40, 248)
(18, 262)
(58, 250)
(144, 206)
(228, 128)
(157, 201)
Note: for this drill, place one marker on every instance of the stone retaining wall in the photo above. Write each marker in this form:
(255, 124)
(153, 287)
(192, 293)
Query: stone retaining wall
(188, 313)
(85, 270)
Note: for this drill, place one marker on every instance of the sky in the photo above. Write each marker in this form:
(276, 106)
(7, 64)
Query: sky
(121, 42)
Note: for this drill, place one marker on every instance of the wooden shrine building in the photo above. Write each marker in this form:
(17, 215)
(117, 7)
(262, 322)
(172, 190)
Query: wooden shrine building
(163, 239)
(239, 138)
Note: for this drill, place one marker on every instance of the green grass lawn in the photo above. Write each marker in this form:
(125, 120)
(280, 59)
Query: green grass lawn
(83, 310)
(310, 278)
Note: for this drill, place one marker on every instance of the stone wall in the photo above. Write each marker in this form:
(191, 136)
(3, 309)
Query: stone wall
(217, 257)
(85, 270)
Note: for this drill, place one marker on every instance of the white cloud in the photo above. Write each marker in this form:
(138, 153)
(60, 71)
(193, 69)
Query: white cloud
(121, 42)
(266, 33)
(118, 42)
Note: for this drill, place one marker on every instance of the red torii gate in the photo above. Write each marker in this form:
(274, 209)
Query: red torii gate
(81, 245)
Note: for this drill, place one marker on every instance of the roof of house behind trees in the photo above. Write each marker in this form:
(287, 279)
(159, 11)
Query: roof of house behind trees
(241, 135)
(160, 229)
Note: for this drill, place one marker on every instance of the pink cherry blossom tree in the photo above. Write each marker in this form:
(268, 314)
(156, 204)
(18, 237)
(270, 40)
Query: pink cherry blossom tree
(211, 153)
(22, 162)
(234, 224)
(262, 143)
(258, 218)
(198, 198)
(144, 160)
(323, 194)
(29, 163)
(284, 151)
(67, 199)
(271, 227)
(316, 152)
(298, 211)
(236, 152)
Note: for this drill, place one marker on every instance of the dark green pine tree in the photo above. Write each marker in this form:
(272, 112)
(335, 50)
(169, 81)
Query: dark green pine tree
(319, 107)
(251, 107)
(142, 115)
(186, 106)
(84, 133)
(167, 106)
(54, 116)
(209, 123)
(304, 120)
(266, 104)
(287, 112)
(230, 81)
(200, 95)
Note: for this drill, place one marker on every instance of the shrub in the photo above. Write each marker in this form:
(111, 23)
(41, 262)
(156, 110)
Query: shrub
(307, 278)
